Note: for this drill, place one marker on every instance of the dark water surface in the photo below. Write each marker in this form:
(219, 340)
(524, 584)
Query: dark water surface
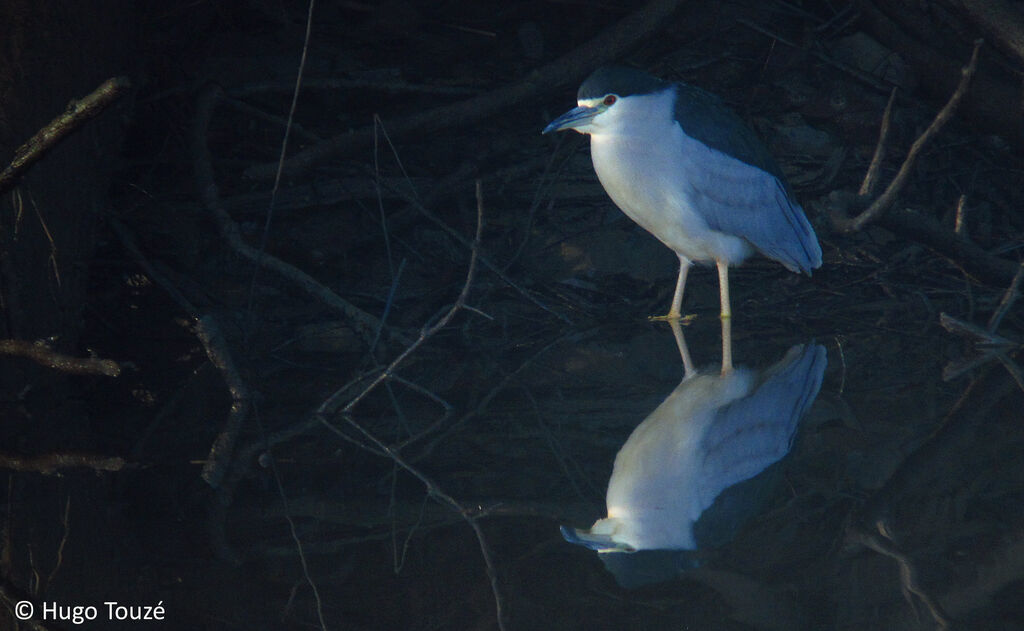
(832, 480)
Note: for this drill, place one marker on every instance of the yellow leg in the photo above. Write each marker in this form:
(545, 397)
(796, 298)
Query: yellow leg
(726, 346)
(675, 312)
(723, 288)
(677, 298)
(684, 351)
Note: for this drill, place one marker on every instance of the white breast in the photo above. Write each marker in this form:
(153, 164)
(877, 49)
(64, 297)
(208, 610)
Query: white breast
(652, 178)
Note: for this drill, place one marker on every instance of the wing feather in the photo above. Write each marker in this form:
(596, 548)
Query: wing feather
(737, 188)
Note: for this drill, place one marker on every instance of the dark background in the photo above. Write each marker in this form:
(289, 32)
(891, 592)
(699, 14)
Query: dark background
(260, 302)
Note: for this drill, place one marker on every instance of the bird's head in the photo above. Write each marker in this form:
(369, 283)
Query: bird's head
(604, 100)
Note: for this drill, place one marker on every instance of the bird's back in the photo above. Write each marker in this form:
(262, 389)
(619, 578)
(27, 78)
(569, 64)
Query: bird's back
(704, 117)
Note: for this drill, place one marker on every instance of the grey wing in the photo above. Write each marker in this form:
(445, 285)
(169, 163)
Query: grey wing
(738, 188)
(750, 434)
(743, 201)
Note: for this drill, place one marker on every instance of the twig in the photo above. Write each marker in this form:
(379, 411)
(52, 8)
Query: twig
(42, 354)
(66, 523)
(609, 45)
(966, 329)
(217, 351)
(396, 86)
(884, 545)
(1010, 296)
(77, 114)
(960, 226)
(12, 597)
(252, 291)
(987, 342)
(49, 464)
(885, 200)
(871, 177)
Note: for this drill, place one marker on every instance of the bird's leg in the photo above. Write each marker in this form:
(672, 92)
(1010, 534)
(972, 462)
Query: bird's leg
(677, 298)
(723, 288)
(675, 313)
(684, 351)
(726, 346)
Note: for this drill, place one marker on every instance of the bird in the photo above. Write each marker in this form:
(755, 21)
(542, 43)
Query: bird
(701, 464)
(687, 169)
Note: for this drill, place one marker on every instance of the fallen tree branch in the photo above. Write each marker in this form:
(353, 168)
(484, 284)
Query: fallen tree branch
(77, 114)
(48, 464)
(609, 45)
(44, 355)
(217, 351)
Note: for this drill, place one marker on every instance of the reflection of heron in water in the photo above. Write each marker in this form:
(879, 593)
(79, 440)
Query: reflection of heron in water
(680, 477)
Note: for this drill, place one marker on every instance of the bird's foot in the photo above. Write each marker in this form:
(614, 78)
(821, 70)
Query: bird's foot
(674, 317)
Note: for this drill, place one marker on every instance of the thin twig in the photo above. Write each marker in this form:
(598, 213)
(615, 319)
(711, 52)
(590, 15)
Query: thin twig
(960, 226)
(265, 236)
(77, 114)
(884, 545)
(1010, 296)
(871, 177)
(66, 523)
(219, 354)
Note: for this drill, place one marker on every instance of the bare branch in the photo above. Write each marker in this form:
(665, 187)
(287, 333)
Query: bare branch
(886, 199)
(217, 351)
(52, 463)
(871, 177)
(42, 354)
(78, 113)
(1010, 296)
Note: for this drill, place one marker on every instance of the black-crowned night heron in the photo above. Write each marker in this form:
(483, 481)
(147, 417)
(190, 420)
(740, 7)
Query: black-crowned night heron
(690, 473)
(678, 162)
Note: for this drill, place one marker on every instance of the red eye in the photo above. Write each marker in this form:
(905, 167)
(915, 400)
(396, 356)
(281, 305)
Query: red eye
(610, 99)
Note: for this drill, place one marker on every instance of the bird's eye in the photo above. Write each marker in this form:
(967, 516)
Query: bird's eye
(610, 99)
